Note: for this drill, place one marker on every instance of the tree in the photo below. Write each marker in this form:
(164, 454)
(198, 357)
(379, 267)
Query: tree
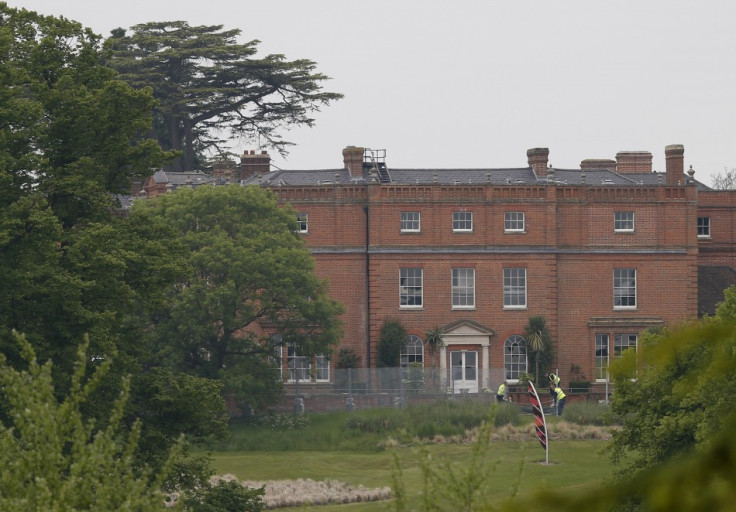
(250, 288)
(208, 84)
(539, 342)
(53, 458)
(70, 130)
(725, 180)
(392, 340)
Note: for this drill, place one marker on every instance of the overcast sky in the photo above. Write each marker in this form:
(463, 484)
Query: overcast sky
(475, 83)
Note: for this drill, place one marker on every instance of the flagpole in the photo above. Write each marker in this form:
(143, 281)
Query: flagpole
(539, 420)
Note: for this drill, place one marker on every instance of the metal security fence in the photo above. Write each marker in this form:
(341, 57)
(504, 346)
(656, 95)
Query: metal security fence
(364, 388)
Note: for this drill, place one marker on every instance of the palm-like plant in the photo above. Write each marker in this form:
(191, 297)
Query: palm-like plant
(538, 341)
(434, 339)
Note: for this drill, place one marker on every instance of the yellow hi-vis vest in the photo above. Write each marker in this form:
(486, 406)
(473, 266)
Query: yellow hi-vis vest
(560, 394)
(502, 389)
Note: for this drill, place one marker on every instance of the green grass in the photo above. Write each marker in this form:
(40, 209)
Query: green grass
(574, 465)
(365, 430)
(351, 447)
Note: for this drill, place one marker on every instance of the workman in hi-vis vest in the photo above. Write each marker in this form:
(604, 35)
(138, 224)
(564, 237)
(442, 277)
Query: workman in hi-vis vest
(501, 392)
(559, 398)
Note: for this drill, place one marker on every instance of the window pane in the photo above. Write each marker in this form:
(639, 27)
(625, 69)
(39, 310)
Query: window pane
(302, 220)
(463, 287)
(462, 221)
(410, 287)
(410, 221)
(514, 287)
(513, 221)
(601, 356)
(623, 221)
(624, 288)
(514, 355)
(704, 226)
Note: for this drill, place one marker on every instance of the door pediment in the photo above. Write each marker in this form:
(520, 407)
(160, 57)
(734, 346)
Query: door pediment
(466, 332)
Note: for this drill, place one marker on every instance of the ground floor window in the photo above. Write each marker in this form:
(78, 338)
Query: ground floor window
(307, 368)
(603, 349)
(514, 357)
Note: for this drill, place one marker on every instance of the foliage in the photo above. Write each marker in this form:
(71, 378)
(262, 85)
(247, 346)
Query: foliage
(208, 84)
(725, 180)
(251, 277)
(392, 339)
(448, 486)
(434, 339)
(225, 496)
(54, 458)
(726, 310)
(582, 413)
(539, 344)
(347, 358)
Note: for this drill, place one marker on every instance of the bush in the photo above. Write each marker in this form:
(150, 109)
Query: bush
(506, 414)
(587, 414)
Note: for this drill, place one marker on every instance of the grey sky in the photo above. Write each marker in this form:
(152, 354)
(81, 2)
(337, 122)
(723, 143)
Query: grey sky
(477, 83)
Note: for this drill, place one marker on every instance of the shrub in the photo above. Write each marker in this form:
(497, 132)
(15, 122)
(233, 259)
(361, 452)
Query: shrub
(506, 414)
(587, 414)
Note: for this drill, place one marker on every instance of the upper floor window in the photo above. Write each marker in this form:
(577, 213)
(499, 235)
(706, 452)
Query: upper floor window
(410, 287)
(463, 287)
(514, 357)
(514, 288)
(302, 220)
(462, 221)
(513, 222)
(624, 288)
(623, 221)
(410, 222)
(703, 227)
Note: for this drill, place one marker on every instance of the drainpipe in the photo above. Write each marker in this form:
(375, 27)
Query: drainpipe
(367, 289)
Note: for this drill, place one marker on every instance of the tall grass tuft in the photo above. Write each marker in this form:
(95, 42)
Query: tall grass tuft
(588, 414)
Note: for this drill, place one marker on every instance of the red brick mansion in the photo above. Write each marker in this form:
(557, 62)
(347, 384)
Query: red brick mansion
(603, 252)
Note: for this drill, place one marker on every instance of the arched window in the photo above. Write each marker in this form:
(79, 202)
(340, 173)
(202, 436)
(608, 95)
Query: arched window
(413, 351)
(514, 356)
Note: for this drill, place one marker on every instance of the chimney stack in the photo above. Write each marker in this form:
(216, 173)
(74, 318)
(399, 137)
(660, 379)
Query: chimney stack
(590, 164)
(537, 158)
(675, 162)
(633, 162)
(252, 164)
(352, 157)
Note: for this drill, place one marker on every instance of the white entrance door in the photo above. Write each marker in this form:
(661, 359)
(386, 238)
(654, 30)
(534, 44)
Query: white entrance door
(464, 371)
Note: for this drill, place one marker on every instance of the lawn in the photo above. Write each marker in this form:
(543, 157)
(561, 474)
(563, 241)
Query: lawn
(574, 465)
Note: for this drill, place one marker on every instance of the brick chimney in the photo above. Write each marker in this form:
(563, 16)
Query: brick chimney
(633, 162)
(352, 157)
(252, 164)
(598, 163)
(537, 158)
(224, 169)
(675, 162)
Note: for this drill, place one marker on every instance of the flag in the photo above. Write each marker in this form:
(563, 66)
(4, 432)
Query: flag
(538, 418)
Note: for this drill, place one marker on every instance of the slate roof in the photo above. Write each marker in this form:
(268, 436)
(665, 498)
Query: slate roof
(711, 283)
(425, 176)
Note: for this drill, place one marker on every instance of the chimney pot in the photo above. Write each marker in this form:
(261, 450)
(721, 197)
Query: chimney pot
(537, 159)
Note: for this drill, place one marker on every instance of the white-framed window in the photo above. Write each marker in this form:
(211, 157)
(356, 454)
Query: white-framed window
(462, 221)
(623, 342)
(412, 356)
(306, 368)
(514, 357)
(624, 288)
(275, 360)
(298, 365)
(463, 288)
(321, 368)
(302, 220)
(623, 221)
(601, 356)
(410, 287)
(514, 288)
(513, 222)
(703, 227)
(410, 222)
